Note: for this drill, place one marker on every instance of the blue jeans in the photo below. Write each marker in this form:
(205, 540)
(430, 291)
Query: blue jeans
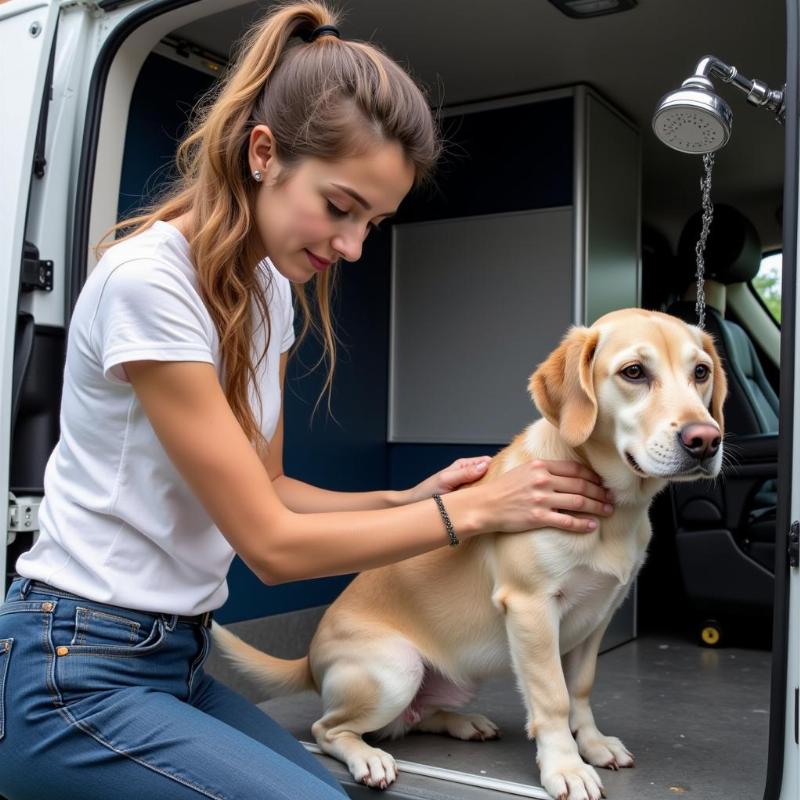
(100, 702)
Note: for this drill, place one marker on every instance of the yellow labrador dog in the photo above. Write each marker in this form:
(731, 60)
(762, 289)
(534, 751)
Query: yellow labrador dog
(638, 398)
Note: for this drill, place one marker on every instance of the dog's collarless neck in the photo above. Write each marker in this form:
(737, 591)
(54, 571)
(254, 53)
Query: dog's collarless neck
(629, 490)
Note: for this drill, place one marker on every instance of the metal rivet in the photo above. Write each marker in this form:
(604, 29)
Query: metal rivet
(47, 606)
(62, 651)
(35, 29)
(6, 646)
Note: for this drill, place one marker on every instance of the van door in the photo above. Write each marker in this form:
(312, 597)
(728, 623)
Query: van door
(783, 772)
(27, 35)
(55, 58)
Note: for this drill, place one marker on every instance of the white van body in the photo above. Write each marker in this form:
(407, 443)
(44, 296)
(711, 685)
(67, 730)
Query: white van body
(77, 62)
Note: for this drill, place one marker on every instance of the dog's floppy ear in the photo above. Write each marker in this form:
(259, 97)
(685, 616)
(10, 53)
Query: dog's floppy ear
(563, 389)
(720, 381)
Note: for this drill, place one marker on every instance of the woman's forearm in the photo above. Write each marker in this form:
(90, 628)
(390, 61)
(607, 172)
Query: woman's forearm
(322, 544)
(304, 498)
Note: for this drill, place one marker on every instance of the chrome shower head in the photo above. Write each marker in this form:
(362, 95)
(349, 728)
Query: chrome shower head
(693, 119)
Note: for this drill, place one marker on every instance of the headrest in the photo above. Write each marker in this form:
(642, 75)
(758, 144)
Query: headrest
(661, 284)
(733, 249)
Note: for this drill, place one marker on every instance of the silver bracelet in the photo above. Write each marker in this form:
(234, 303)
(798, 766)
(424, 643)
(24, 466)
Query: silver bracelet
(454, 540)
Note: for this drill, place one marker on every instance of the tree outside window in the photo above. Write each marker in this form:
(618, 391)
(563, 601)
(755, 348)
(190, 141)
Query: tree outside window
(768, 283)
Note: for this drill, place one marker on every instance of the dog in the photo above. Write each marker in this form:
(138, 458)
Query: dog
(637, 397)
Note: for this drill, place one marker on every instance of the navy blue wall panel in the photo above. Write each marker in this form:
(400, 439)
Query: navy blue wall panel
(411, 463)
(161, 104)
(346, 449)
(498, 161)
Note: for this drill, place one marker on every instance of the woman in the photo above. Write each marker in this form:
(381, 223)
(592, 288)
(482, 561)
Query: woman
(170, 456)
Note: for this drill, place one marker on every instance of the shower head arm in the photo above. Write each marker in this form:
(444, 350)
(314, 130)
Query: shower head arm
(758, 93)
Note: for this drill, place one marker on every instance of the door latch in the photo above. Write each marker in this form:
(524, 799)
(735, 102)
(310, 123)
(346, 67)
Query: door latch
(23, 516)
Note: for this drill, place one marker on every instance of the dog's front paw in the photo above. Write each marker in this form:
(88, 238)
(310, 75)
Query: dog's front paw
(373, 767)
(568, 778)
(604, 751)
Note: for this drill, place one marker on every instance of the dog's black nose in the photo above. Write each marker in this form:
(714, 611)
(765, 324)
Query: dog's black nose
(700, 440)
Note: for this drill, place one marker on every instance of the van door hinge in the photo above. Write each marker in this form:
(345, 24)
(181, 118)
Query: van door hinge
(794, 544)
(23, 516)
(36, 273)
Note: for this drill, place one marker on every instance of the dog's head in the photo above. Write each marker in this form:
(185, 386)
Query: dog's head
(646, 383)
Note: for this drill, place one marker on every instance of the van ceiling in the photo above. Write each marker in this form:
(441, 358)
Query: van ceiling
(467, 51)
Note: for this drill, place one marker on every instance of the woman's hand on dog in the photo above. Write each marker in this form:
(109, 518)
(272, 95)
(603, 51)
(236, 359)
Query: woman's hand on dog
(460, 473)
(537, 494)
(545, 494)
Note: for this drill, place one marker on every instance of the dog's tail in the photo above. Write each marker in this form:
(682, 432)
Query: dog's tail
(279, 676)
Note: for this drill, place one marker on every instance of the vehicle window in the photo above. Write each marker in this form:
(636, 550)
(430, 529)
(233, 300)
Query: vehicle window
(768, 283)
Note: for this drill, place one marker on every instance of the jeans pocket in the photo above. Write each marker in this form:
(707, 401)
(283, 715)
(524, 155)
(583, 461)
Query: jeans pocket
(93, 626)
(82, 670)
(5, 657)
(106, 642)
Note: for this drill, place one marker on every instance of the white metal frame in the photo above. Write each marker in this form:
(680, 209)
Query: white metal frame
(27, 28)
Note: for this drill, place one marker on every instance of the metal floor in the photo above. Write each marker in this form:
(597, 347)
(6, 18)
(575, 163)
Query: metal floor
(695, 719)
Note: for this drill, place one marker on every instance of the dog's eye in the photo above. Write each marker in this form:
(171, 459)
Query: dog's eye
(634, 372)
(701, 372)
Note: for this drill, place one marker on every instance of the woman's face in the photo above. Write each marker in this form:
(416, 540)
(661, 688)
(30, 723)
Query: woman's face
(323, 210)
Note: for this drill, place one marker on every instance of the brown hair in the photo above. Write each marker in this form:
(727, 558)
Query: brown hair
(328, 99)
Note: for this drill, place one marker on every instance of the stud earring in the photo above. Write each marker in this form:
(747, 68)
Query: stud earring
(257, 175)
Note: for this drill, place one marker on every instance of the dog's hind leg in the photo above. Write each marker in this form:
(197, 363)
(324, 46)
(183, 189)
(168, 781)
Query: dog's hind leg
(474, 727)
(364, 695)
(434, 702)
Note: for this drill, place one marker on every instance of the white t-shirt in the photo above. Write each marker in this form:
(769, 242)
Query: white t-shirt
(118, 523)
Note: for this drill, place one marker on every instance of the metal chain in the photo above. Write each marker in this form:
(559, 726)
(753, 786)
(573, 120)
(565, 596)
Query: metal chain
(708, 215)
